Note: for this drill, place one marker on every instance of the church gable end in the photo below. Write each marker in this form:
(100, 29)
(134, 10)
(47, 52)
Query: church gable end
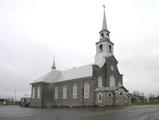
(113, 71)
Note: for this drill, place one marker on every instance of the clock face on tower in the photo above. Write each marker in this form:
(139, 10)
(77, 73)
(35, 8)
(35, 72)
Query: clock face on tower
(112, 68)
(100, 60)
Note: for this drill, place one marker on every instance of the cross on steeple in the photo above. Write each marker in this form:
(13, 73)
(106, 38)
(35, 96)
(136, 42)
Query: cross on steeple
(53, 66)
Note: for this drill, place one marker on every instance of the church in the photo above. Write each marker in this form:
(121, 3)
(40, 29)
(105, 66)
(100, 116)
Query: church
(98, 84)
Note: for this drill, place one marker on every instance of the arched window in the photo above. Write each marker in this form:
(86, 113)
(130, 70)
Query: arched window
(56, 92)
(112, 81)
(86, 90)
(128, 96)
(109, 94)
(64, 92)
(102, 35)
(121, 93)
(99, 97)
(39, 93)
(100, 84)
(101, 48)
(110, 48)
(107, 35)
(75, 87)
(33, 92)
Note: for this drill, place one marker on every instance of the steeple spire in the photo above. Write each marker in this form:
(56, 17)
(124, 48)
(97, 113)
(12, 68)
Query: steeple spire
(104, 33)
(53, 66)
(104, 47)
(104, 27)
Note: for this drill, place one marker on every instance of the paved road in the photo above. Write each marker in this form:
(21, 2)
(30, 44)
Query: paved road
(145, 112)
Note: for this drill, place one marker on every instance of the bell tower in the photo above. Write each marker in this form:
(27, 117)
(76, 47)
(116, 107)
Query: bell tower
(104, 47)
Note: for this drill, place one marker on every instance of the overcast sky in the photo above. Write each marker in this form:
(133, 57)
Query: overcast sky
(33, 31)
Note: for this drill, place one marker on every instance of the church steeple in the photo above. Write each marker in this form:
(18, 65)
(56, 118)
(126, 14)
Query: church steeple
(104, 33)
(104, 47)
(104, 26)
(53, 66)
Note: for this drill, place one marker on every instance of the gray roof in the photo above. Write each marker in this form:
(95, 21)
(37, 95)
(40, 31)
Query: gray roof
(75, 73)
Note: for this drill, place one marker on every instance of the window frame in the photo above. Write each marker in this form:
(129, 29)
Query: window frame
(86, 90)
(39, 92)
(64, 92)
(56, 93)
(75, 91)
(112, 81)
(100, 94)
(109, 94)
(110, 48)
(101, 48)
(100, 82)
(33, 92)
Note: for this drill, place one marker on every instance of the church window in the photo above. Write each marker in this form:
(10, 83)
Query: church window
(33, 92)
(121, 93)
(112, 68)
(107, 35)
(99, 81)
(39, 93)
(86, 90)
(128, 96)
(102, 35)
(75, 91)
(56, 93)
(109, 94)
(99, 97)
(64, 92)
(110, 48)
(112, 81)
(101, 48)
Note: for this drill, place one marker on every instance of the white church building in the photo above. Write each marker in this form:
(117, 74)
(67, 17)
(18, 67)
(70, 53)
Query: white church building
(97, 84)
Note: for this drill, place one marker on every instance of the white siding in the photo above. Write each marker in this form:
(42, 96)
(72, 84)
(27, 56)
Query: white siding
(86, 90)
(64, 92)
(56, 93)
(39, 93)
(75, 87)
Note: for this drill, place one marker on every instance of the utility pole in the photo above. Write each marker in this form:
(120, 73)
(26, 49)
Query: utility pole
(15, 95)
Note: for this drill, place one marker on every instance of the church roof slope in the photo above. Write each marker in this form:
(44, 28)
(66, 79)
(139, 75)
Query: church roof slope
(75, 73)
(79, 72)
(51, 76)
